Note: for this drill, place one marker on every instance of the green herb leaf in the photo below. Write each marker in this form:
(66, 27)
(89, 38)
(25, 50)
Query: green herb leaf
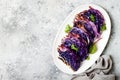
(103, 27)
(88, 58)
(92, 18)
(67, 28)
(74, 48)
(92, 49)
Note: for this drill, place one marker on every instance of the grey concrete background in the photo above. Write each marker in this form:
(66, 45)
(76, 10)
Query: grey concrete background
(27, 31)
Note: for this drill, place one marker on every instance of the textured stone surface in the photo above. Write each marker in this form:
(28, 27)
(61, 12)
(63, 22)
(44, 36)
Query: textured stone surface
(27, 31)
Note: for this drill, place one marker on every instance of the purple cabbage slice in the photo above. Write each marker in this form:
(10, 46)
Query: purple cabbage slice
(80, 44)
(69, 58)
(99, 19)
(69, 55)
(82, 34)
(86, 16)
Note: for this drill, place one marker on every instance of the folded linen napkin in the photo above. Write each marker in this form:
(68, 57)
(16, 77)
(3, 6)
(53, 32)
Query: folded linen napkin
(99, 71)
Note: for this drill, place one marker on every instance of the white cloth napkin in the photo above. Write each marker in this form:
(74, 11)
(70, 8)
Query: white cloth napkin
(99, 71)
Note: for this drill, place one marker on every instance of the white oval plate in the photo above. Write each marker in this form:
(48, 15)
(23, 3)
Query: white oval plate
(100, 44)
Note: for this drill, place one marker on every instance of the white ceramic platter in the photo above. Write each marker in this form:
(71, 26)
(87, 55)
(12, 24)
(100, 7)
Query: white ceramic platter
(100, 44)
